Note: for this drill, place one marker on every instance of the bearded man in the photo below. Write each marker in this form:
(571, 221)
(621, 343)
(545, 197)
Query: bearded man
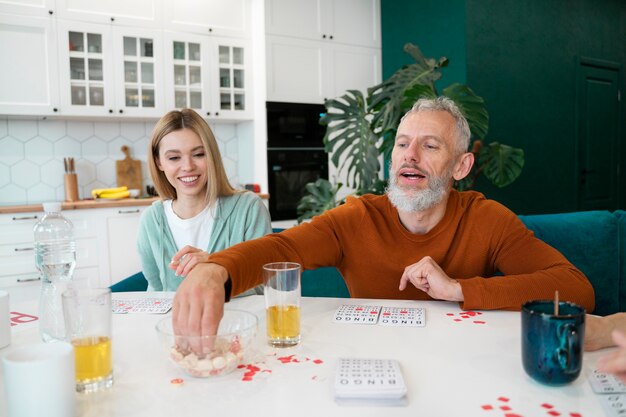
(422, 240)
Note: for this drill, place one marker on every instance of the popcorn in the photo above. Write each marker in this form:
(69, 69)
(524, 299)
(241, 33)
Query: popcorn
(224, 357)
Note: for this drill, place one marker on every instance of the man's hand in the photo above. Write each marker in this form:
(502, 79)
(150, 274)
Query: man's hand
(186, 259)
(427, 276)
(615, 362)
(598, 332)
(198, 305)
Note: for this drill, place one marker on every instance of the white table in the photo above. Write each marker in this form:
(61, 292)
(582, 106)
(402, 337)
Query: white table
(452, 368)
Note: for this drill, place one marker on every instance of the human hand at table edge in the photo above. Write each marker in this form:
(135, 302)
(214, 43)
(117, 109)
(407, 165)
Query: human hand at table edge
(615, 362)
(186, 259)
(598, 330)
(198, 305)
(427, 275)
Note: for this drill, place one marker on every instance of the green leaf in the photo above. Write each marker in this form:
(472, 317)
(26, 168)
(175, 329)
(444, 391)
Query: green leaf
(322, 196)
(501, 164)
(350, 139)
(389, 99)
(472, 106)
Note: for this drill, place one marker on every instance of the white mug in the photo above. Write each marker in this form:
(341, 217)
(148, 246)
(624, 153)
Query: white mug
(39, 380)
(5, 320)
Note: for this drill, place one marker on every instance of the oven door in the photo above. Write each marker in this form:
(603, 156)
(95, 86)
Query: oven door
(289, 170)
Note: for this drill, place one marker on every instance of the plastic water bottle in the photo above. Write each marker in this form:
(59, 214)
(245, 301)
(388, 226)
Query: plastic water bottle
(55, 257)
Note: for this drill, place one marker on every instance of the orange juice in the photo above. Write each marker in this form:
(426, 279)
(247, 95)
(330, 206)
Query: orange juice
(93, 358)
(283, 324)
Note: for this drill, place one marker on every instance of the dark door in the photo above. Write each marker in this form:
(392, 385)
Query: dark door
(598, 134)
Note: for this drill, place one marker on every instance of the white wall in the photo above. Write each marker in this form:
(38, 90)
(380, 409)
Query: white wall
(32, 152)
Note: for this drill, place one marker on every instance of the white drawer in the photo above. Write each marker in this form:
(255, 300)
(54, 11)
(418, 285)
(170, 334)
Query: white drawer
(28, 286)
(19, 259)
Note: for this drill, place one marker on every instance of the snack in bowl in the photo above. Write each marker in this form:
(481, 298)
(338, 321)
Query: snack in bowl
(229, 347)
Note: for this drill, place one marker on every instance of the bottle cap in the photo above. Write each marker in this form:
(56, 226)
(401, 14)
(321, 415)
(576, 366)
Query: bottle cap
(53, 207)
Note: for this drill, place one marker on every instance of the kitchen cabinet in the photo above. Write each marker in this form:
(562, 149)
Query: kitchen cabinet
(41, 8)
(209, 17)
(209, 74)
(109, 70)
(138, 13)
(17, 252)
(105, 247)
(122, 225)
(305, 71)
(28, 74)
(353, 22)
(317, 50)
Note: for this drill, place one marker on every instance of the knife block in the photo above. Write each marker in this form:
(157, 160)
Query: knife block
(71, 187)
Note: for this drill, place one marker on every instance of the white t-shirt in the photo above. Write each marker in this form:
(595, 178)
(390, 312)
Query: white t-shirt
(195, 231)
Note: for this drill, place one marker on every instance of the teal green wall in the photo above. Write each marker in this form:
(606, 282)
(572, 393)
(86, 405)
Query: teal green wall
(437, 28)
(520, 56)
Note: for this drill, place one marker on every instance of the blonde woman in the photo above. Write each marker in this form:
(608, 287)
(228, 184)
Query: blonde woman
(199, 212)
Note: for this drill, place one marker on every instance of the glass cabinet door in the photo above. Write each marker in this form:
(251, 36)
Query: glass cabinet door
(188, 79)
(86, 75)
(139, 72)
(231, 78)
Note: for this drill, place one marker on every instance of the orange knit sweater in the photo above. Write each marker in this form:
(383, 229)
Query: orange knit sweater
(364, 239)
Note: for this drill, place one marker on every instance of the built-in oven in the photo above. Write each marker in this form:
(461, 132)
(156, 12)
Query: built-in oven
(295, 154)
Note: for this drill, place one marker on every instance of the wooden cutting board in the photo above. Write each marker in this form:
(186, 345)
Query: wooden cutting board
(128, 171)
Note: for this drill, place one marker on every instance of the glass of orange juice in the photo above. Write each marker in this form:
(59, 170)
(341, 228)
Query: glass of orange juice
(282, 303)
(88, 314)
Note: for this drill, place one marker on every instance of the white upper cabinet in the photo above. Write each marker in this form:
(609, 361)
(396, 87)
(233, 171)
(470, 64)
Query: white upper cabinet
(107, 70)
(28, 75)
(303, 71)
(354, 22)
(209, 74)
(39, 8)
(209, 17)
(139, 89)
(318, 49)
(142, 13)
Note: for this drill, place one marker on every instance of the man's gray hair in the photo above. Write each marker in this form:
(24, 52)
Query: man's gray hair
(442, 103)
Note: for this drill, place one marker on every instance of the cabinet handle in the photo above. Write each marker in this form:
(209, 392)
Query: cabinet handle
(331, 36)
(110, 110)
(50, 12)
(324, 36)
(208, 113)
(121, 111)
(55, 110)
(112, 19)
(28, 279)
(127, 211)
(25, 218)
(217, 114)
(210, 29)
(23, 249)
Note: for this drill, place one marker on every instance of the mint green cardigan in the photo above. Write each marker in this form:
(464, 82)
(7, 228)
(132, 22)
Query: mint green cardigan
(239, 217)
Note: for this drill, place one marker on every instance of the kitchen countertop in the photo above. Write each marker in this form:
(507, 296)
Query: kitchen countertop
(89, 204)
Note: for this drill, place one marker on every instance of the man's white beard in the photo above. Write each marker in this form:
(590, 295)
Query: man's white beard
(413, 201)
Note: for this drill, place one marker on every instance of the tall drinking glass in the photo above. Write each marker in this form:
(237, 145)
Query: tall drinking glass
(88, 314)
(282, 303)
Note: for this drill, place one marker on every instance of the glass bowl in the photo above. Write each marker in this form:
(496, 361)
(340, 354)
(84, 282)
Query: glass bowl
(208, 356)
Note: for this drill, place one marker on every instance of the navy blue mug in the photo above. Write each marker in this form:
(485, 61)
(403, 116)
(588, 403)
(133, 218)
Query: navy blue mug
(552, 345)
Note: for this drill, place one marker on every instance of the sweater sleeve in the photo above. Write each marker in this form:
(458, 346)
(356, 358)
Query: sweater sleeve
(531, 270)
(309, 244)
(258, 222)
(148, 262)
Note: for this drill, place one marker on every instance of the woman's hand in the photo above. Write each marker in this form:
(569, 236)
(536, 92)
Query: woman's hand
(186, 259)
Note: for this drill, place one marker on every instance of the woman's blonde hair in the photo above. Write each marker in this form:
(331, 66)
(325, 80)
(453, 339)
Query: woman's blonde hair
(217, 182)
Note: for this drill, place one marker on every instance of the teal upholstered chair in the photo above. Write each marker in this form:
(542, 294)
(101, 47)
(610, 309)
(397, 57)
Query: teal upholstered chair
(136, 282)
(591, 241)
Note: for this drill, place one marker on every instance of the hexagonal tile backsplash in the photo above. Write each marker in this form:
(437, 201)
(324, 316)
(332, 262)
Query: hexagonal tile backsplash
(32, 152)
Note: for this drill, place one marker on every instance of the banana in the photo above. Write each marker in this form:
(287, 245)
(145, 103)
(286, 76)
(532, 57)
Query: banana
(119, 194)
(99, 192)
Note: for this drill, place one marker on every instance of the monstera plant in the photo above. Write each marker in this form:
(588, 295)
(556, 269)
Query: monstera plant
(360, 129)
